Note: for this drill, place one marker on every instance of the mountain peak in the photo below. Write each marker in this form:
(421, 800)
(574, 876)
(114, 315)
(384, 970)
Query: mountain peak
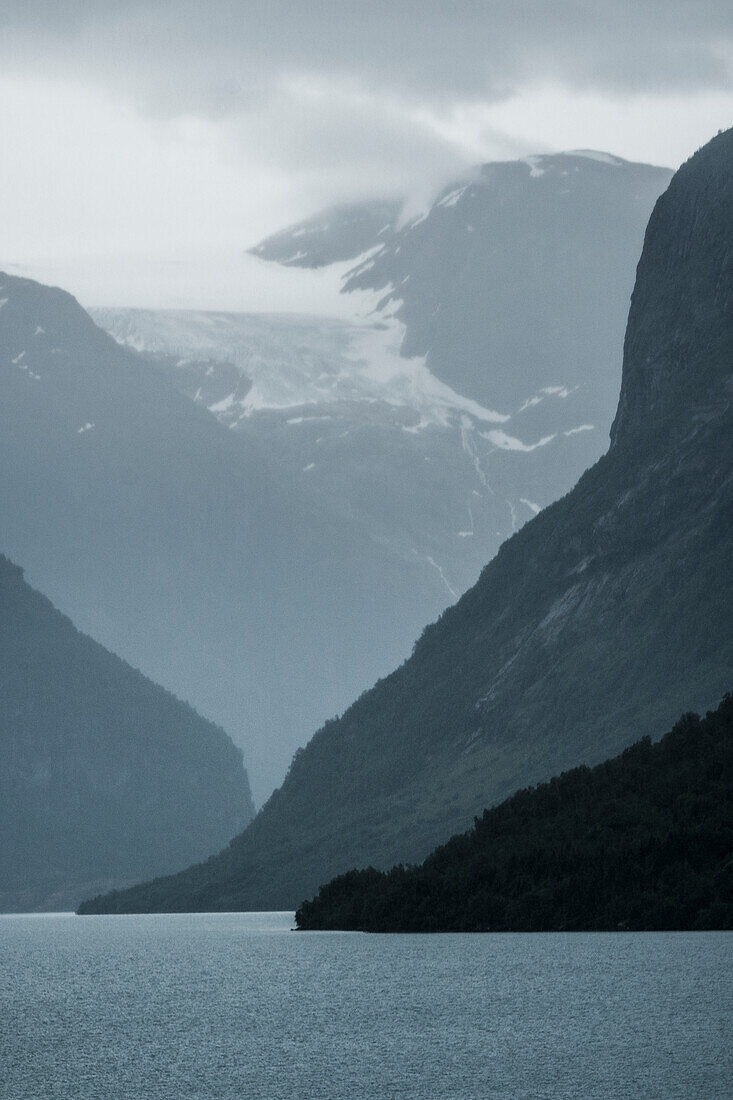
(678, 352)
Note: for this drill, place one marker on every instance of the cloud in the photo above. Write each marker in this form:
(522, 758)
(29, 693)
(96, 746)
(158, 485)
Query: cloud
(378, 87)
(229, 55)
(202, 120)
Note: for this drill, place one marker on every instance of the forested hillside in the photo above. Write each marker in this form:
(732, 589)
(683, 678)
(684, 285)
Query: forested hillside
(644, 841)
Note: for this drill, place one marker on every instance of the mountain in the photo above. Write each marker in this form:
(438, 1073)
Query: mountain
(639, 843)
(181, 545)
(372, 437)
(339, 233)
(516, 280)
(598, 623)
(104, 777)
(436, 466)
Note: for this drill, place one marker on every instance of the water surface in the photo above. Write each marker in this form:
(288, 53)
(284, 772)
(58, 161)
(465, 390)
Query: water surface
(234, 1005)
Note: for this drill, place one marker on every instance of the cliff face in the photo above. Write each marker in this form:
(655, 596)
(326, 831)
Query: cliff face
(600, 621)
(679, 339)
(104, 777)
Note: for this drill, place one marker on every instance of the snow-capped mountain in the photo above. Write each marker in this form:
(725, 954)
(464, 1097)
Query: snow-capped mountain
(438, 478)
(340, 233)
(480, 371)
(517, 278)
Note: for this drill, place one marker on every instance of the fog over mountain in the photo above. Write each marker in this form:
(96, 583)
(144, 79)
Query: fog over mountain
(168, 126)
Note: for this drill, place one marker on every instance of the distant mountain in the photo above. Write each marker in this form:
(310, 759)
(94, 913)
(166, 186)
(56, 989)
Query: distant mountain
(374, 438)
(515, 280)
(599, 622)
(641, 842)
(437, 474)
(339, 233)
(104, 776)
(181, 545)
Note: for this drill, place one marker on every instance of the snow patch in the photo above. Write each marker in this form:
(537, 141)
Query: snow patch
(443, 577)
(471, 450)
(306, 419)
(593, 154)
(535, 508)
(294, 362)
(415, 429)
(557, 391)
(580, 428)
(534, 166)
(510, 443)
(85, 428)
(546, 391)
(223, 406)
(415, 222)
(452, 197)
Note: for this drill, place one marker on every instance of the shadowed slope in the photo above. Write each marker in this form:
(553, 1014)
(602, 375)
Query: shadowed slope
(104, 777)
(640, 842)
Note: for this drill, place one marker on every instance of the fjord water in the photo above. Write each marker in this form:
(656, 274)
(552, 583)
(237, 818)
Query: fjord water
(233, 1005)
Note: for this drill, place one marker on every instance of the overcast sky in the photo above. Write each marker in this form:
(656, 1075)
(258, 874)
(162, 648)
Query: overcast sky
(175, 129)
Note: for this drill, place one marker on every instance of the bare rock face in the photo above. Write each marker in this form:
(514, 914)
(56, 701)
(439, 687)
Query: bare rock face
(679, 340)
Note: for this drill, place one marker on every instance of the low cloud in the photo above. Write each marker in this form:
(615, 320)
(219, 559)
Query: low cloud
(225, 54)
(309, 103)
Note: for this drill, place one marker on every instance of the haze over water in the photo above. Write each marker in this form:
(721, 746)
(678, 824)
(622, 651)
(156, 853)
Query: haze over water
(233, 1005)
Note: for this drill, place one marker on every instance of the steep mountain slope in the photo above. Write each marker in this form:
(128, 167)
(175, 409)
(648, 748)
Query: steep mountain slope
(177, 546)
(522, 270)
(599, 622)
(640, 842)
(104, 776)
